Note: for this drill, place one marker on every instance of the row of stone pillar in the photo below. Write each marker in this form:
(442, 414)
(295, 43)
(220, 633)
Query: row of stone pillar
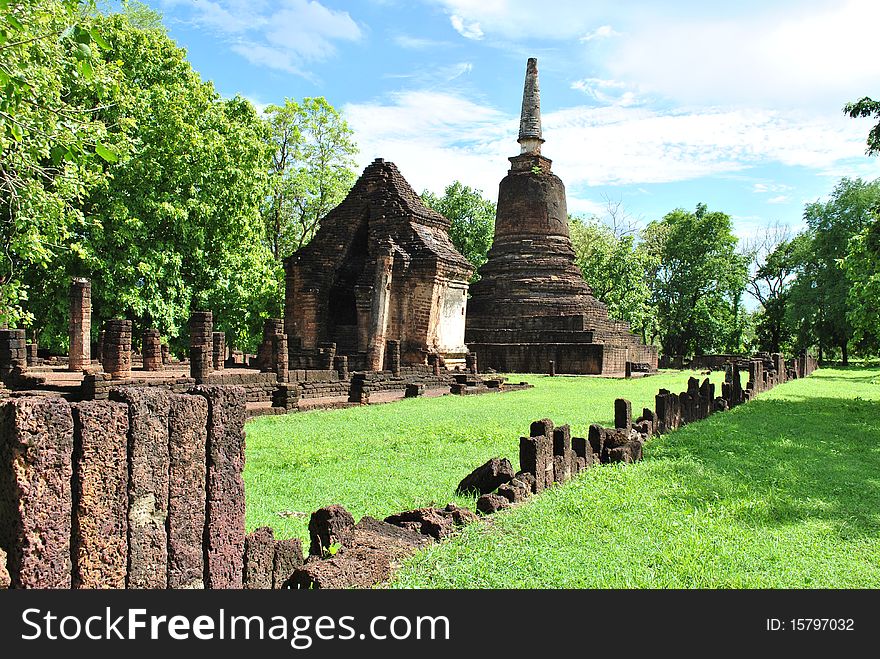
(141, 491)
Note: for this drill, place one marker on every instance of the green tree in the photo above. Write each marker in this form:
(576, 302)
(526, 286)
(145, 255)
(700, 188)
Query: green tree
(616, 269)
(775, 257)
(697, 279)
(174, 222)
(472, 218)
(867, 107)
(862, 268)
(822, 289)
(312, 170)
(52, 145)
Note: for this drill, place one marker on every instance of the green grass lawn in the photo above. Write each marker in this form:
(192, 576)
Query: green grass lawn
(381, 459)
(782, 492)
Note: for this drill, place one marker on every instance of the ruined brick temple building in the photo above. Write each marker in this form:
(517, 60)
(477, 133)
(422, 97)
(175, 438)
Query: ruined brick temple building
(381, 268)
(532, 305)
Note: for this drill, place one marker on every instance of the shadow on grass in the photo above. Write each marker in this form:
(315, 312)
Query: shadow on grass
(782, 461)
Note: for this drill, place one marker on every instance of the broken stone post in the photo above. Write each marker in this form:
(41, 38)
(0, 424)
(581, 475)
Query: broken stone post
(117, 349)
(219, 350)
(31, 351)
(779, 363)
(152, 350)
(623, 414)
(470, 360)
(201, 345)
(288, 557)
(379, 307)
(224, 527)
(148, 486)
(536, 457)
(259, 558)
(13, 353)
(101, 338)
(80, 324)
(272, 327)
(563, 456)
(329, 526)
(279, 356)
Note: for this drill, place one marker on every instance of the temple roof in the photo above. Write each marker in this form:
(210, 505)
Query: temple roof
(395, 213)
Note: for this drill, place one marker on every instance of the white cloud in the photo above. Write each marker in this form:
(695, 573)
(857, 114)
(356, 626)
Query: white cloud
(607, 92)
(764, 187)
(283, 35)
(418, 43)
(821, 54)
(439, 137)
(525, 19)
(435, 138)
(779, 199)
(470, 30)
(601, 32)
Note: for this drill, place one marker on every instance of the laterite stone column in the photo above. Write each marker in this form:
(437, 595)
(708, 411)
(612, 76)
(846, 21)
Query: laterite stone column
(201, 345)
(379, 309)
(100, 494)
(36, 446)
(80, 354)
(117, 349)
(219, 350)
(152, 350)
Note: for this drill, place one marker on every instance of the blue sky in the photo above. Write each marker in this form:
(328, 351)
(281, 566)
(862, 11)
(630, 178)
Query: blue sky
(654, 105)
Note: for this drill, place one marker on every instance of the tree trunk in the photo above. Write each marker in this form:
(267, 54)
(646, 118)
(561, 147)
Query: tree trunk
(845, 352)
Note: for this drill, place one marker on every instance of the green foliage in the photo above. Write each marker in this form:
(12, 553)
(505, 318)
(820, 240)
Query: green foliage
(862, 268)
(777, 493)
(312, 170)
(616, 268)
(170, 218)
(697, 279)
(472, 217)
(776, 263)
(53, 147)
(821, 293)
(866, 107)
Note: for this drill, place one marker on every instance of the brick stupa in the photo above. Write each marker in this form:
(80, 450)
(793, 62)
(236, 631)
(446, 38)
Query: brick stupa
(531, 305)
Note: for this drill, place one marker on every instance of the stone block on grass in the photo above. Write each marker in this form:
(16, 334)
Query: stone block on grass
(487, 477)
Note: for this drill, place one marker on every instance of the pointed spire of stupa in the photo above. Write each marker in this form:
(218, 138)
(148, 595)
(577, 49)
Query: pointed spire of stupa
(530, 119)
